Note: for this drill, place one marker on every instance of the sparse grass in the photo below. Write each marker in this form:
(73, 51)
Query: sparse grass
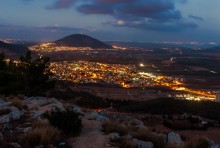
(18, 103)
(112, 126)
(125, 143)
(41, 134)
(147, 135)
(197, 142)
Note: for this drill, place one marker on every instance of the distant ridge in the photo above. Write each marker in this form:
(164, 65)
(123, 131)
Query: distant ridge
(12, 50)
(80, 40)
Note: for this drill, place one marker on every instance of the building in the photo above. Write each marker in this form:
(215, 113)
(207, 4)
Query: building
(218, 97)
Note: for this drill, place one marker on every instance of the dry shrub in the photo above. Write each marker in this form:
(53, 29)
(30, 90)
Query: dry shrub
(18, 103)
(125, 143)
(40, 123)
(147, 135)
(41, 134)
(197, 142)
(112, 126)
(143, 134)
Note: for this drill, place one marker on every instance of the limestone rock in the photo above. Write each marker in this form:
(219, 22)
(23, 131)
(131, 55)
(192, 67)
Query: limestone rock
(137, 122)
(174, 138)
(4, 103)
(91, 116)
(115, 136)
(101, 118)
(142, 144)
(14, 114)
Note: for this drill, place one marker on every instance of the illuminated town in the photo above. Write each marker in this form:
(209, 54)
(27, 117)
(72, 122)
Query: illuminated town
(126, 76)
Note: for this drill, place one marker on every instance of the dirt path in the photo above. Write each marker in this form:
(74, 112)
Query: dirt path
(91, 136)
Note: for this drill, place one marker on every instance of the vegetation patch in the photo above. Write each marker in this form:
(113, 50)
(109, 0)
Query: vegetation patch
(68, 121)
(42, 133)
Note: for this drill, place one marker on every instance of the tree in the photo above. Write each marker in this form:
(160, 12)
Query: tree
(36, 72)
(2, 62)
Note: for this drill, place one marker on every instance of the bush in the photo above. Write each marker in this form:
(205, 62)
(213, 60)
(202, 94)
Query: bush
(111, 127)
(147, 135)
(18, 103)
(41, 134)
(198, 142)
(68, 121)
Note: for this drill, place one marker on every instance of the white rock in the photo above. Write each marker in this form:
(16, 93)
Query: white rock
(142, 144)
(215, 146)
(77, 109)
(137, 122)
(14, 114)
(101, 118)
(128, 136)
(91, 116)
(174, 138)
(114, 136)
(4, 104)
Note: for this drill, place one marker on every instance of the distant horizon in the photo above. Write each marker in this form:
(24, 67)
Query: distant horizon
(161, 42)
(127, 20)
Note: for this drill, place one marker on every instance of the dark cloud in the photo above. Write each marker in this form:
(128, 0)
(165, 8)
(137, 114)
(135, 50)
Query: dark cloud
(152, 25)
(62, 4)
(156, 15)
(57, 28)
(197, 18)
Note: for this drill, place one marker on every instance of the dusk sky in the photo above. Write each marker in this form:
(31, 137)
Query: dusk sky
(128, 20)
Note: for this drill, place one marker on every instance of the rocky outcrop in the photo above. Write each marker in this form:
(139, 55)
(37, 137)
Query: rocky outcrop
(96, 116)
(142, 144)
(115, 136)
(13, 114)
(39, 105)
(174, 138)
(4, 103)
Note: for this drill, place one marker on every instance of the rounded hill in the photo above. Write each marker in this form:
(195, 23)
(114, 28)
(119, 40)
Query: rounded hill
(80, 40)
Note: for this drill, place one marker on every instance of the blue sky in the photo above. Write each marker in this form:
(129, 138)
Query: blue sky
(128, 20)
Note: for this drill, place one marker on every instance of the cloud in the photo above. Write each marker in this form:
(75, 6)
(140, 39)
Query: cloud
(62, 4)
(197, 18)
(57, 28)
(156, 15)
(152, 25)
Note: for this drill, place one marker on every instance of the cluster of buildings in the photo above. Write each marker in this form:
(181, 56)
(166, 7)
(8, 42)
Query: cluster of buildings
(127, 76)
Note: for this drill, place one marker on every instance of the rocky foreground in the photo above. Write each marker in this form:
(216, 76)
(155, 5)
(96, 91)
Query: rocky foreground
(99, 130)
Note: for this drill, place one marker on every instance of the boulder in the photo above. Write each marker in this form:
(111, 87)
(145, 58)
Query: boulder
(91, 116)
(77, 109)
(173, 138)
(101, 118)
(142, 144)
(215, 145)
(137, 122)
(115, 136)
(4, 103)
(14, 114)
(128, 136)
